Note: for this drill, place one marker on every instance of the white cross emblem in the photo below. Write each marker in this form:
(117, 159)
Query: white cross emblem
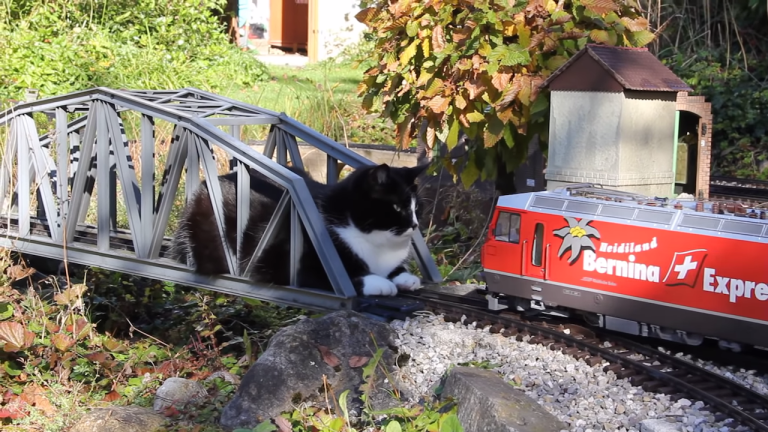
(682, 269)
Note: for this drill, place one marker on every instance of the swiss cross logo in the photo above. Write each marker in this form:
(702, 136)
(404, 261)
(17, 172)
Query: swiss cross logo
(685, 268)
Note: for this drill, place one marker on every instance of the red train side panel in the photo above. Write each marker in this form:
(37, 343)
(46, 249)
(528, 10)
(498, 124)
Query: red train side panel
(684, 270)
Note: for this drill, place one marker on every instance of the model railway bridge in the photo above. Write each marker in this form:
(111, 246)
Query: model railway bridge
(59, 189)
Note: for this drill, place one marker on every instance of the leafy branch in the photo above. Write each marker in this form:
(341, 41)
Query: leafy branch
(477, 66)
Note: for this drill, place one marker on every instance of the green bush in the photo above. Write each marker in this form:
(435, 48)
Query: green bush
(62, 46)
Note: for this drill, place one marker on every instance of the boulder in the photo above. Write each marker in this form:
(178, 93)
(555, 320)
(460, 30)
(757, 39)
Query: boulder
(337, 346)
(178, 392)
(120, 419)
(487, 403)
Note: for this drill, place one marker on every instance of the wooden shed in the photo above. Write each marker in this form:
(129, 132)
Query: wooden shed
(614, 120)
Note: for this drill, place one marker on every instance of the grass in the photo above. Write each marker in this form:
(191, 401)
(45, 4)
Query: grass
(323, 96)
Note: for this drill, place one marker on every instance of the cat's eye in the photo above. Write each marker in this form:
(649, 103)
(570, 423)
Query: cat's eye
(397, 207)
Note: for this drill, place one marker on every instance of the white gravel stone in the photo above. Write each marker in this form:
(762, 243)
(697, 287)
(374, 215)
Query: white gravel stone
(584, 397)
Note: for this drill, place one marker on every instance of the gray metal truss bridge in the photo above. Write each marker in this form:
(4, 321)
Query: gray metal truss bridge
(47, 184)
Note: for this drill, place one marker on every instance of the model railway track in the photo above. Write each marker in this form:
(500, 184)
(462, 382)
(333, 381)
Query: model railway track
(727, 188)
(652, 370)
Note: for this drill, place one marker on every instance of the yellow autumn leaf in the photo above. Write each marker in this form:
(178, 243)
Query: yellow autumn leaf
(475, 117)
(408, 53)
(460, 102)
(424, 77)
(425, 47)
(599, 36)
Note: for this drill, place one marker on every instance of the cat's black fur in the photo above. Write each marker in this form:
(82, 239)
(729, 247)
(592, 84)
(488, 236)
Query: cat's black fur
(367, 197)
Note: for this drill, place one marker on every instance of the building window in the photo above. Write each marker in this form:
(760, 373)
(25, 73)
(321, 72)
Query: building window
(507, 227)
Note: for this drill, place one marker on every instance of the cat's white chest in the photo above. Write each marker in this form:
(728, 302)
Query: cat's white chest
(382, 251)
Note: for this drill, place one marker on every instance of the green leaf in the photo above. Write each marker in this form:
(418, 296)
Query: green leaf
(640, 38)
(475, 117)
(266, 426)
(453, 134)
(470, 173)
(6, 311)
(412, 28)
(508, 137)
(393, 426)
(12, 368)
(451, 424)
(343, 403)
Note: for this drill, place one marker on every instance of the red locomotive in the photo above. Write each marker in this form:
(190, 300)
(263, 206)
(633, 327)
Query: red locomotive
(680, 271)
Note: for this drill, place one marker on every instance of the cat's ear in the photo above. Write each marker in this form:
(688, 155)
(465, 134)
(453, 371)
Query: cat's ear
(411, 173)
(379, 175)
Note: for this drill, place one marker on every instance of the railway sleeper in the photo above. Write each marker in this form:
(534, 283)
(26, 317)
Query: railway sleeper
(496, 328)
(594, 360)
(652, 386)
(638, 380)
(509, 332)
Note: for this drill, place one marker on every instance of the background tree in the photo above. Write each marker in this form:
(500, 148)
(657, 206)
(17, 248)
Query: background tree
(477, 65)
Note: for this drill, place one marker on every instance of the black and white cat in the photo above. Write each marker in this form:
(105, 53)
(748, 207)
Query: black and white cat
(371, 216)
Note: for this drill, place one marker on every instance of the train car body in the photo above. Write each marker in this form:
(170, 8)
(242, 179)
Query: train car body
(632, 264)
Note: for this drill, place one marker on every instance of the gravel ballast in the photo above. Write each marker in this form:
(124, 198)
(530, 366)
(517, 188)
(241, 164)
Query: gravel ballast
(585, 398)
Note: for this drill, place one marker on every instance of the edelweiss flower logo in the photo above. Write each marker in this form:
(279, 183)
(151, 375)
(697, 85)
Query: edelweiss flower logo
(576, 237)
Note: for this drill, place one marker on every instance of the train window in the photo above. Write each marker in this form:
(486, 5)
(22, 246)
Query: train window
(507, 227)
(538, 243)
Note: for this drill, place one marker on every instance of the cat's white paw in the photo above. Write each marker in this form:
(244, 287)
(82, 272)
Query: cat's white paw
(407, 282)
(376, 285)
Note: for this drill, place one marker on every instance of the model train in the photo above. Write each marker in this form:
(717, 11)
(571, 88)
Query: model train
(677, 270)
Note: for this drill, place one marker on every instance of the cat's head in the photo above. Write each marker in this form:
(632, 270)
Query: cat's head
(385, 198)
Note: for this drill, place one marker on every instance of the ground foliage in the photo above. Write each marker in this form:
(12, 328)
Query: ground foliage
(477, 66)
(98, 340)
(60, 46)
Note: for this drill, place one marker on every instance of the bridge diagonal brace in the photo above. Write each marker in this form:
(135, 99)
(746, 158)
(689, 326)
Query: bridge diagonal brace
(193, 173)
(289, 141)
(62, 159)
(243, 208)
(126, 172)
(423, 257)
(170, 183)
(6, 172)
(23, 176)
(297, 245)
(103, 165)
(44, 172)
(269, 147)
(280, 214)
(81, 174)
(214, 194)
(147, 184)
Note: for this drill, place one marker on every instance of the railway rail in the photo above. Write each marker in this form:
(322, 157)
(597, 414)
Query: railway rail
(745, 190)
(646, 367)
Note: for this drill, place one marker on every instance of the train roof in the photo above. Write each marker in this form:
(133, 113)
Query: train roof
(595, 202)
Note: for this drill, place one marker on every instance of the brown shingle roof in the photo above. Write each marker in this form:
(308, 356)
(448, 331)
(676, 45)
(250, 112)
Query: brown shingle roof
(633, 68)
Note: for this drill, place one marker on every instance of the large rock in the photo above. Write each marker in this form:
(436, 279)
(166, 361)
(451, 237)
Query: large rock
(487, 403)
(120, 419)
(290, 371)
